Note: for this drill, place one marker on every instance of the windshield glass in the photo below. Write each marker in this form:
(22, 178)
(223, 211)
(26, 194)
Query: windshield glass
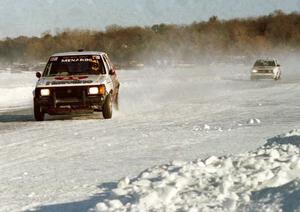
(264, 63)
(74, 65)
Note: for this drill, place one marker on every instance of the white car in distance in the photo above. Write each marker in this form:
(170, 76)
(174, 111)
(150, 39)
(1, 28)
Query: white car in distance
(266, 69)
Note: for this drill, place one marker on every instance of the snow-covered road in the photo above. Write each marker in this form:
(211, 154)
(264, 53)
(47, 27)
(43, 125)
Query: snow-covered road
(170, 114)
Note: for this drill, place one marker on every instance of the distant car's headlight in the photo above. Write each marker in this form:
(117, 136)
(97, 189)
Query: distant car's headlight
(254, 71)
(93, 90)
(45, 92)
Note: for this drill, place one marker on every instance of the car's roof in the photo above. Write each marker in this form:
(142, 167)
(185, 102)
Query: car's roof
(77, 53)
(266, 59)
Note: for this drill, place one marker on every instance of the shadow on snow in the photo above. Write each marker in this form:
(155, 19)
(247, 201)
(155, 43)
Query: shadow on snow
(85, 205)
(16, 118)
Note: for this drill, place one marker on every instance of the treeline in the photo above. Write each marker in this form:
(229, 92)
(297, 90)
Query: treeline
(192, 42)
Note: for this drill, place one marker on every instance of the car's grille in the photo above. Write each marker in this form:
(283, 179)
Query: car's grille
(265, 71)
(70, 92)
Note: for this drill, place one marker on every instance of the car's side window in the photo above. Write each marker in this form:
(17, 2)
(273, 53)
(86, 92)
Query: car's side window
(103, 67)
(107, 67)
(47, 69)
(108, 62)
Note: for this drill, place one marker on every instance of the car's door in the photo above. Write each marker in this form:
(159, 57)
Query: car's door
(109, 81)
(113, 76)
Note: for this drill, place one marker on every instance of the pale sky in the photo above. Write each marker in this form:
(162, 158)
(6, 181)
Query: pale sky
(33, 17)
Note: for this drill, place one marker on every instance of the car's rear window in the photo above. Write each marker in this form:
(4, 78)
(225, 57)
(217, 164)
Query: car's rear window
(74, 65)
(264, 63)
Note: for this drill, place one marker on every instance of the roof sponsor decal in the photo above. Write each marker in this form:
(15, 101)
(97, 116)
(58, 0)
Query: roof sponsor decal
(97, 57)
(74, 60)
(53, 59)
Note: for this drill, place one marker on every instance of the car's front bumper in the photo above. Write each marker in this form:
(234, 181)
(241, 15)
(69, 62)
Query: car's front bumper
(68, 99)
(262, 76)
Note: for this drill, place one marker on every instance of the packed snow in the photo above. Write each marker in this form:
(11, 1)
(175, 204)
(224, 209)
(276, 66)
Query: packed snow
(267, 179)
(211, 112)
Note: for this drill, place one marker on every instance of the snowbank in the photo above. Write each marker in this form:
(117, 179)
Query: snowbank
(13, 98)
(16, 90)
(263, 180)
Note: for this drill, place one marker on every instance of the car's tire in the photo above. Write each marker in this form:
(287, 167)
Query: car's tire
(107, 107)
(39, 115)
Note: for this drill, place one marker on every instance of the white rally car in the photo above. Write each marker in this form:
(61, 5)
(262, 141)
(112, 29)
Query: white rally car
(266, 69)
(78, 82)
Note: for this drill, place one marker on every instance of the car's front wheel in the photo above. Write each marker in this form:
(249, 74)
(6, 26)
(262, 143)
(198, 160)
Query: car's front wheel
(38, 113)
(277, 77)
(107, 107)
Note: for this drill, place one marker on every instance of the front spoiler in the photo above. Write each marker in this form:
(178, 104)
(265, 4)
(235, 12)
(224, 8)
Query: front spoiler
(64, 111)
(262, 76)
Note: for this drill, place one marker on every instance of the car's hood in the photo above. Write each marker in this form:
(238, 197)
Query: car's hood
(79, 80)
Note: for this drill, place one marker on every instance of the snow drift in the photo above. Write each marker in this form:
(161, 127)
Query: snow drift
(263, 180)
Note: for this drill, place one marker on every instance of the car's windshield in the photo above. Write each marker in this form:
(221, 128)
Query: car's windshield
(74, 65)
(264, 63)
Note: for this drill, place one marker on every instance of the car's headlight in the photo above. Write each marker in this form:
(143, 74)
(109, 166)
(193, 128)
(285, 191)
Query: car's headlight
(93, 90)
(102, 89)
(45, 92)
(254, 71)
(97, 90)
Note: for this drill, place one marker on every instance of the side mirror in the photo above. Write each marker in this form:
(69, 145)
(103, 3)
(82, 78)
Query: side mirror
(111, 72)
(38, 74)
